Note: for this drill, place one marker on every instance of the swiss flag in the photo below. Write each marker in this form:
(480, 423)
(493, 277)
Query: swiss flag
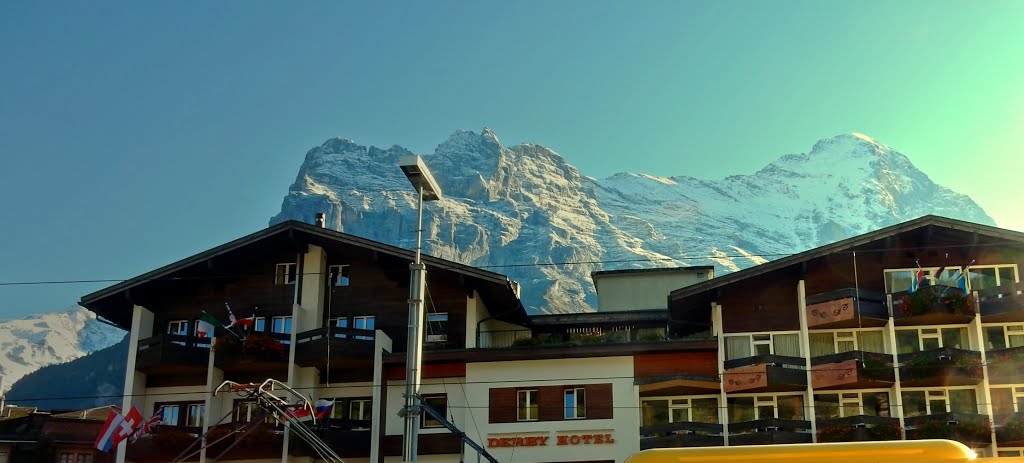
(132, 420)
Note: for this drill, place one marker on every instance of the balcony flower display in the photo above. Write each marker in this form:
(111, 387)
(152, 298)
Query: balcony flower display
(970, 431)
(930, 299)
(255, 345)
(925, 365)
(877, 432)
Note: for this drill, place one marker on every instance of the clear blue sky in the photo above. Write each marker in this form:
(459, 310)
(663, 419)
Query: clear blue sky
(133, 134)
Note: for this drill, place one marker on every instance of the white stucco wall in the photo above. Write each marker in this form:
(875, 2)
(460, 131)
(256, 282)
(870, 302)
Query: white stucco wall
(642, 291)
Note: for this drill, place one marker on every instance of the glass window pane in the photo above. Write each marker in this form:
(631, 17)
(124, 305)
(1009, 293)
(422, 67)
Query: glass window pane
(1006, 276)
(994, 338)
(982, 278)
(791, 407)
(680, 414)
(954, 337)
(871, 341)
(896, 281)
(876, 403)
(821, 344)
(704, 410)
(914, 403)
(438, 403)
(963, 401)
(929, 343)
(1002, 401)
(737, 347)
(655, 412)
(741, 409)
(938, 405)
(826, 406)
(787, 344)
(907, 341)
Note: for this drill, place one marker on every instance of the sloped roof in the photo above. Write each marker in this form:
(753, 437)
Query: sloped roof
(501, 285)
(846, 245)
(90, 414)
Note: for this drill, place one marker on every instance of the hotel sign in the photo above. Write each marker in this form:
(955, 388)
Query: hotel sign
(544, 441)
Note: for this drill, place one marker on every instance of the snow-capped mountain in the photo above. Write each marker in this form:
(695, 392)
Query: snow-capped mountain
(39, 340)
(525, 204)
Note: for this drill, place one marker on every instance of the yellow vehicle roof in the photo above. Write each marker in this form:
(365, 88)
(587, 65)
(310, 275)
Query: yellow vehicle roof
(912, 451)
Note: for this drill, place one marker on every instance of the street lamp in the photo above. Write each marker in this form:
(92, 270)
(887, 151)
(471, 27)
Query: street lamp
(426, 190)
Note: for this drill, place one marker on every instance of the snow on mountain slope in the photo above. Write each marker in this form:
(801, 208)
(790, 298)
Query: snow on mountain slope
(33, 342)
(525, 204)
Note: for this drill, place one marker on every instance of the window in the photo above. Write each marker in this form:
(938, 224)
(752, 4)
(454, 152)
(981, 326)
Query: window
(747, 345)
(836, 342)
(438, 403)
(65, 457)
(936, 401)
(527, 405)
(285, 274)
(985, 277)
(360, 409)
(1003, 336)
(337, 275)
(281, 324)
(250, 411)
(194, 417)
(838, 405)
(922, 339)
(363, 322)
(763, 407)
(178, 327)
(575, 403)
(676, 410)
(897, 280)
(437, 327)
(1006, 400)
(259, 325)
(170, 414)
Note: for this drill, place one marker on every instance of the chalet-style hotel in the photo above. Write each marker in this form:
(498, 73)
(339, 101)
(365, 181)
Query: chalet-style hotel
(909, 332)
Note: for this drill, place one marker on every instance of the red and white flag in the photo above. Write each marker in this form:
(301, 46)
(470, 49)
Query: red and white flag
(299, 414)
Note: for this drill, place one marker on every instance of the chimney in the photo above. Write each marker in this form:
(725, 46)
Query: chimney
(320, 219)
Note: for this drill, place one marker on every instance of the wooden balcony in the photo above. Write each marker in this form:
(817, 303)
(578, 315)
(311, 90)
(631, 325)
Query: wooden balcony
(173, 360)
(852, 370)
(861, 428)
(264, 441)
(1010, 430)
(348, 438)
(262, 354)
(682, 434)
(932, 305)
(765, 373)
(164, 444)
(1002, 303)
(346, 352)
(846, 308)
(770, 431)
(940, 367)
(1005, 366)
(973, 430)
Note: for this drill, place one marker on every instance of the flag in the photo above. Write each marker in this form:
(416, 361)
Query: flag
(148, 426)
(204, 329)
(299, 414)
(105, 441)
(324, 407)
(216, 323)
(916, 279)
(245, 322)
(130, 421)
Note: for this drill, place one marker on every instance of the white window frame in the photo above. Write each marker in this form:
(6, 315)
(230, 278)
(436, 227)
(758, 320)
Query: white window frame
(1016, 393)
(364, 318)
(286, 273)
(859, 400)
(364, 405)
(179, 323)
(929, 273)
(856, 332)
(770, 341)
(676, 402)
(576, 392)
(424, 418)
(929, 393)
(437, 337)
(283, 319)
(1018, 330)
(177, 414)
(999, 282)
(191, 417)
(339, 276)
(766, 400)
(938, 334)
(530, 394)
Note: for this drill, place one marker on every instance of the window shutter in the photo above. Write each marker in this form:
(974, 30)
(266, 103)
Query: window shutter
(599, 401)
(502, 407)
(551, 403)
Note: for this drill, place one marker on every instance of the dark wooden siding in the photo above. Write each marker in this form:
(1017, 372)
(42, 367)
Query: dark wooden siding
(685, 363)
(761, 304)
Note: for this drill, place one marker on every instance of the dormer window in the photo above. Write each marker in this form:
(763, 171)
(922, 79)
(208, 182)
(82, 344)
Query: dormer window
(286, 274)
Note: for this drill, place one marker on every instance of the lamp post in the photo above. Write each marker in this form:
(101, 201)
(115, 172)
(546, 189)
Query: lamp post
(426, 190)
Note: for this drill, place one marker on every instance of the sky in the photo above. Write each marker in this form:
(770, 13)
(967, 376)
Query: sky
(133, 134)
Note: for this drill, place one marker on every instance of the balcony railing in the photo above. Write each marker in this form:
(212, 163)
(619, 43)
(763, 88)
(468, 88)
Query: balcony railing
(503, 338)
(770, 431)
(854, 369)
(164, 444)
(859, 428)
(350, 438)
(172, 349)
(1006, 366)
(1010, 429)
(256, 353)
(528, 338)
(762, 373)
(681, 434)
(973, 430)
(341, 348)
(940, 367)
(846, 308)
(1002, 304)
